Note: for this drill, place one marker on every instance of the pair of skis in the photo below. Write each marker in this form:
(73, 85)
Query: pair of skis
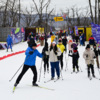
(94, 78)
(36, 86)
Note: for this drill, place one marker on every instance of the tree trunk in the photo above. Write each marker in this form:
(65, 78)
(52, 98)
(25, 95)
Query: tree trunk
(95, 11)
(91, 10)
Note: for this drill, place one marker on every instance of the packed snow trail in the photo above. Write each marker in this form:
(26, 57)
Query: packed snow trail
(73, 87)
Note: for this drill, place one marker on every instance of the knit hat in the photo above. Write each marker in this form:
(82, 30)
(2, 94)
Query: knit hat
(88, 46)
(53, 42)
(33, 44)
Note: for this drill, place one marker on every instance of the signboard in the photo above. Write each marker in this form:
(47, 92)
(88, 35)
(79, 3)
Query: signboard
(58, 19)
(18, 35)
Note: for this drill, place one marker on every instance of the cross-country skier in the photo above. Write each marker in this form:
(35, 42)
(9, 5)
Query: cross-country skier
(54, 52)
(30, 60)
(46, 57)
(62, 48)
(96, 54)
(89, 56)
(75, 57)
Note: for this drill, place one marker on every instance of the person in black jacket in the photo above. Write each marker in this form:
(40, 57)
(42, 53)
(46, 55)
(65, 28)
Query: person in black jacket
(46, 57)
(96, 53)
(75, 57)
(64, 41)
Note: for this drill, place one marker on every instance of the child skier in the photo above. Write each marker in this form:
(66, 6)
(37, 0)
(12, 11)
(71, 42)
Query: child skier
(30, 60)
(89, 56)
(75, 57)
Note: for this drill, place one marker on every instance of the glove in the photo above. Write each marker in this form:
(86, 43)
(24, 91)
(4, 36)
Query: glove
(94, 57)
(55, 52)
(86, 56)
(31, 52)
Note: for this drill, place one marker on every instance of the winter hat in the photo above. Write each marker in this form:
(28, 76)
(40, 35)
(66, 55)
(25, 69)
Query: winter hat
(94, 45)
(75, 48)
(53, 42)
(33, 44)
(88, 46)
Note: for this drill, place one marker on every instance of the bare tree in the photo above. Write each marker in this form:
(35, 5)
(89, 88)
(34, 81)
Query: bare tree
(95, 11)
(91, 10)
(42, 4)
(29, 18)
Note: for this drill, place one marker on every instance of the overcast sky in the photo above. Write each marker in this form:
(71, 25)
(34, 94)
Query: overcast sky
(60, 4)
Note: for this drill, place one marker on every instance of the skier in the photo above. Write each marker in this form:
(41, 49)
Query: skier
(9, 43)
(30, 60)
(70, 42)
(54, 52)
(81, 40)
(64, 41)
(42, 40)
(62, 48)
(75, 57)
(91, 40)
(46, 57)
(96, 54)
(30, 39)
(89, 56)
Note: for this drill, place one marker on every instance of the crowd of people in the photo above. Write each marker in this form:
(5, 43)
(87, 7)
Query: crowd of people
(54, 54)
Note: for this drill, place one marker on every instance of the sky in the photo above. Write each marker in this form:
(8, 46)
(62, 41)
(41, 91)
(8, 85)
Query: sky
(61, 4)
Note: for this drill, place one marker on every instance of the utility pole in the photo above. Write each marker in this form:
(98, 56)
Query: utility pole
(99, 11)
(19, 13)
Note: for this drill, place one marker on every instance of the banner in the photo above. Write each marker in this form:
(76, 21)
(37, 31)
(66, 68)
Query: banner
(18, 35)
(76, 30)
(96, 33)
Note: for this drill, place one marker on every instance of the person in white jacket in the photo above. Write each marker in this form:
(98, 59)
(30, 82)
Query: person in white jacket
(89, 56)
(54, 53)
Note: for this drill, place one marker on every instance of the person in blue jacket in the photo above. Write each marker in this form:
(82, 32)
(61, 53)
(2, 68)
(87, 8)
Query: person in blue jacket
(30, 60)
(9, 42)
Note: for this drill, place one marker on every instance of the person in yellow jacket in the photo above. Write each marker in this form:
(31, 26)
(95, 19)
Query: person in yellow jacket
(52, 38)
(62, 48)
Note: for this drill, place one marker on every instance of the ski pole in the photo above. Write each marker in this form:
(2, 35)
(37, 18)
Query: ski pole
(80, 69)
(40, 71)
(66, 60)
(16, 72)
(98, 71)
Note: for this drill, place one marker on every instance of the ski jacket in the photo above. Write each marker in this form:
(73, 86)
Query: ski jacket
(61, 47)
(52, 38)
(75, 57)
(64, 41)
(31, 59)
(52, 56)
(89, 57)
(9, 40)
(91, 40)
(69, 45)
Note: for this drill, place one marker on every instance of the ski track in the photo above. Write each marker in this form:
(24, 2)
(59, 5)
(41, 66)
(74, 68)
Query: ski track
(73, 87)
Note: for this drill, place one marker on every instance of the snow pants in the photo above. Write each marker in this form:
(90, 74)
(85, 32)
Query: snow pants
(90, 66)
(24, 70)
(55, 66)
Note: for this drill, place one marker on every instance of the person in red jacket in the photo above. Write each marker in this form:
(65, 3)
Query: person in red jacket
(91, 40)
(42, 40)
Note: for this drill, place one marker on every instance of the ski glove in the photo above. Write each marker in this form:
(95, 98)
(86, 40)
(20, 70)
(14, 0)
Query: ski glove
(31, 52)
(86, 56)
(55, 52)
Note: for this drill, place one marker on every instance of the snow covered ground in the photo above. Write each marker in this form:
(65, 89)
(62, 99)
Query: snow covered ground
(73, 87)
